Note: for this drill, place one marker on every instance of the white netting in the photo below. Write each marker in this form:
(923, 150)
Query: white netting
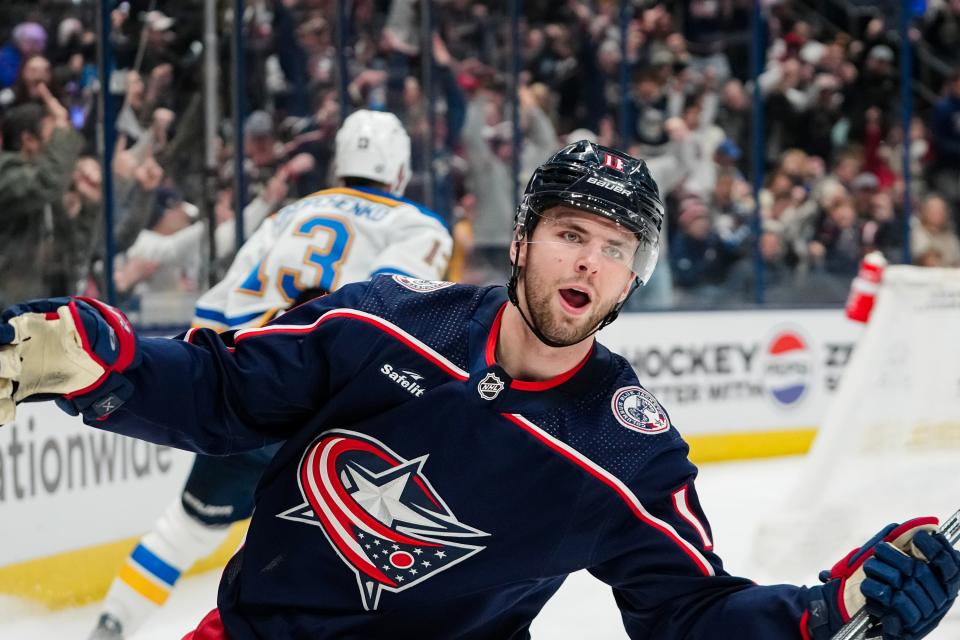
(889, 446)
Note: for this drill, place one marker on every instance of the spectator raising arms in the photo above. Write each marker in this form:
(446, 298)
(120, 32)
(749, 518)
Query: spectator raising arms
(39, 152)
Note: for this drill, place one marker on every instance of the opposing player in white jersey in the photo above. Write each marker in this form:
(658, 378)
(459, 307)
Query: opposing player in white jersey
(349, 233)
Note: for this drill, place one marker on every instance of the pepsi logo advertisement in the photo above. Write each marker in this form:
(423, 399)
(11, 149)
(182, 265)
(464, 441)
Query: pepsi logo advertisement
(728, 372)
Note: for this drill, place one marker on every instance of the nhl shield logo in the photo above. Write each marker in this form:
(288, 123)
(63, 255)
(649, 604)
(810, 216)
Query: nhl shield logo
(490, 387)
(379, 513)
(636, 409)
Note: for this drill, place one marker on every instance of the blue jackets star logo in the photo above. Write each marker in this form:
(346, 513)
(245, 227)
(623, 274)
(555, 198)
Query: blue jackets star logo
(379, 513)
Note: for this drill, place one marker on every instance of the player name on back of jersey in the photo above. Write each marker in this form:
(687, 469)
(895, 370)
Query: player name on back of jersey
(342, 203)
(405, 378)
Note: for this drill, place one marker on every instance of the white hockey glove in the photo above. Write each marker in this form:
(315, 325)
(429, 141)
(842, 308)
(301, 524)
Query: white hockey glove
(65, 349)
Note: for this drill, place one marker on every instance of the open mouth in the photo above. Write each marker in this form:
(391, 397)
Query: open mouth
(575, 298)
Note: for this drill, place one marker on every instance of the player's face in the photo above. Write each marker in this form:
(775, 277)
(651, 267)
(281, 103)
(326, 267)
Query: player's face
(577, 267)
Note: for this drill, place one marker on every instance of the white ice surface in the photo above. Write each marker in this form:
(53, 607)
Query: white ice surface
(735, 496)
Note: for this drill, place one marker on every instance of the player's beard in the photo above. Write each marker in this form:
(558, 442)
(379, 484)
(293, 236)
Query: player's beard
(552, 323)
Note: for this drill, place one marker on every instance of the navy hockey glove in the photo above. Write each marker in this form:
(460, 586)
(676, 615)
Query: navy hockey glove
(68, 349)
(895, 593)
(910, 594)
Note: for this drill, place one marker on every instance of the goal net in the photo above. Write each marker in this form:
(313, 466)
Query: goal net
(889, 446)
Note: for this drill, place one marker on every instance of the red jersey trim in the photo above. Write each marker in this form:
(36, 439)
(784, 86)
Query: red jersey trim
(490, 355)
(384, 325)
(804, 620)
(210, 628)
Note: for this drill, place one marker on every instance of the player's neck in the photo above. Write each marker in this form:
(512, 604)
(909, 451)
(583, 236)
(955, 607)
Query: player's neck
(524, 357)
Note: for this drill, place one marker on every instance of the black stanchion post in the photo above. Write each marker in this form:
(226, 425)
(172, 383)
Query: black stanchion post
(107, 140)
(906, 110)
(426, 79)
(238, 94)
(211, 111)
(757, 57)
(341, 36)
(626, 13)
(515, 8)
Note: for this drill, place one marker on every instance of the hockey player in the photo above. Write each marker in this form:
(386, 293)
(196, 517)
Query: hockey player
(451, 453)
(336, 236)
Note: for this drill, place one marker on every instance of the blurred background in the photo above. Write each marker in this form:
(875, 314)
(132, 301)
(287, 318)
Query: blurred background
(789, 138)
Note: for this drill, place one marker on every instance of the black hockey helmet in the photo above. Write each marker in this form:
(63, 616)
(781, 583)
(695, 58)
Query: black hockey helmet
(599, 180)
(603, 181)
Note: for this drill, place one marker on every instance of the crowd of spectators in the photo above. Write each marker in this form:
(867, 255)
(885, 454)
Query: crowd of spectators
(832, 146)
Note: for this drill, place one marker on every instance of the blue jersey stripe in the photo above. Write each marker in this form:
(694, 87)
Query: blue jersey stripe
(391, 271)
(219, 316)
(146, 559)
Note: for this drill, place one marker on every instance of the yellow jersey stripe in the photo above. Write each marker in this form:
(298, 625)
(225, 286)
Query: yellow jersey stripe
(347, 191)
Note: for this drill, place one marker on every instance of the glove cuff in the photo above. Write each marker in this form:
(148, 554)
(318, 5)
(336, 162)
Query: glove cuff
(97, 405)
(825, 611)
(119, 329)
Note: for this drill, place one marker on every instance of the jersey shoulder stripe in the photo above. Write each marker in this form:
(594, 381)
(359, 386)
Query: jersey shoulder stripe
(385, 198)
(383, 325)
(391, 271)
(221, 318)
(438, 313)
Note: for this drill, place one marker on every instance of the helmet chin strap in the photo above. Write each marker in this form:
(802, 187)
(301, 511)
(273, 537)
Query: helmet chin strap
(514, 298)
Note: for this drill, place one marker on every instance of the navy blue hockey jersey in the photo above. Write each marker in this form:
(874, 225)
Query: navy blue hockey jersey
(423, 493)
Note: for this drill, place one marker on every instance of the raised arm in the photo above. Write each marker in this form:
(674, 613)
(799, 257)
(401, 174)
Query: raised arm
(204, 392)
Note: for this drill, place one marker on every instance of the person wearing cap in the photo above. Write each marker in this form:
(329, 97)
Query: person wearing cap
(157, 21)
(172, 269)
(28, 39)
(876, 86)
(156, 49)
(699, 258)
(863, 188)
(261, 149)
(726, 159)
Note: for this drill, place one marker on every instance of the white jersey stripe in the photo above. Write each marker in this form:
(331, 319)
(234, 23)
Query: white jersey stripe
(682, 504)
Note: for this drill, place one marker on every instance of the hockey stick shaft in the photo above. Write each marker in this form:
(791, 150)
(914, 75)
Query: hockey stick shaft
(856, 629)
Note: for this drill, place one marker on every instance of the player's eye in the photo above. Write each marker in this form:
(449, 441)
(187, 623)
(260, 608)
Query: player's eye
(569, 236)
(614, 253)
